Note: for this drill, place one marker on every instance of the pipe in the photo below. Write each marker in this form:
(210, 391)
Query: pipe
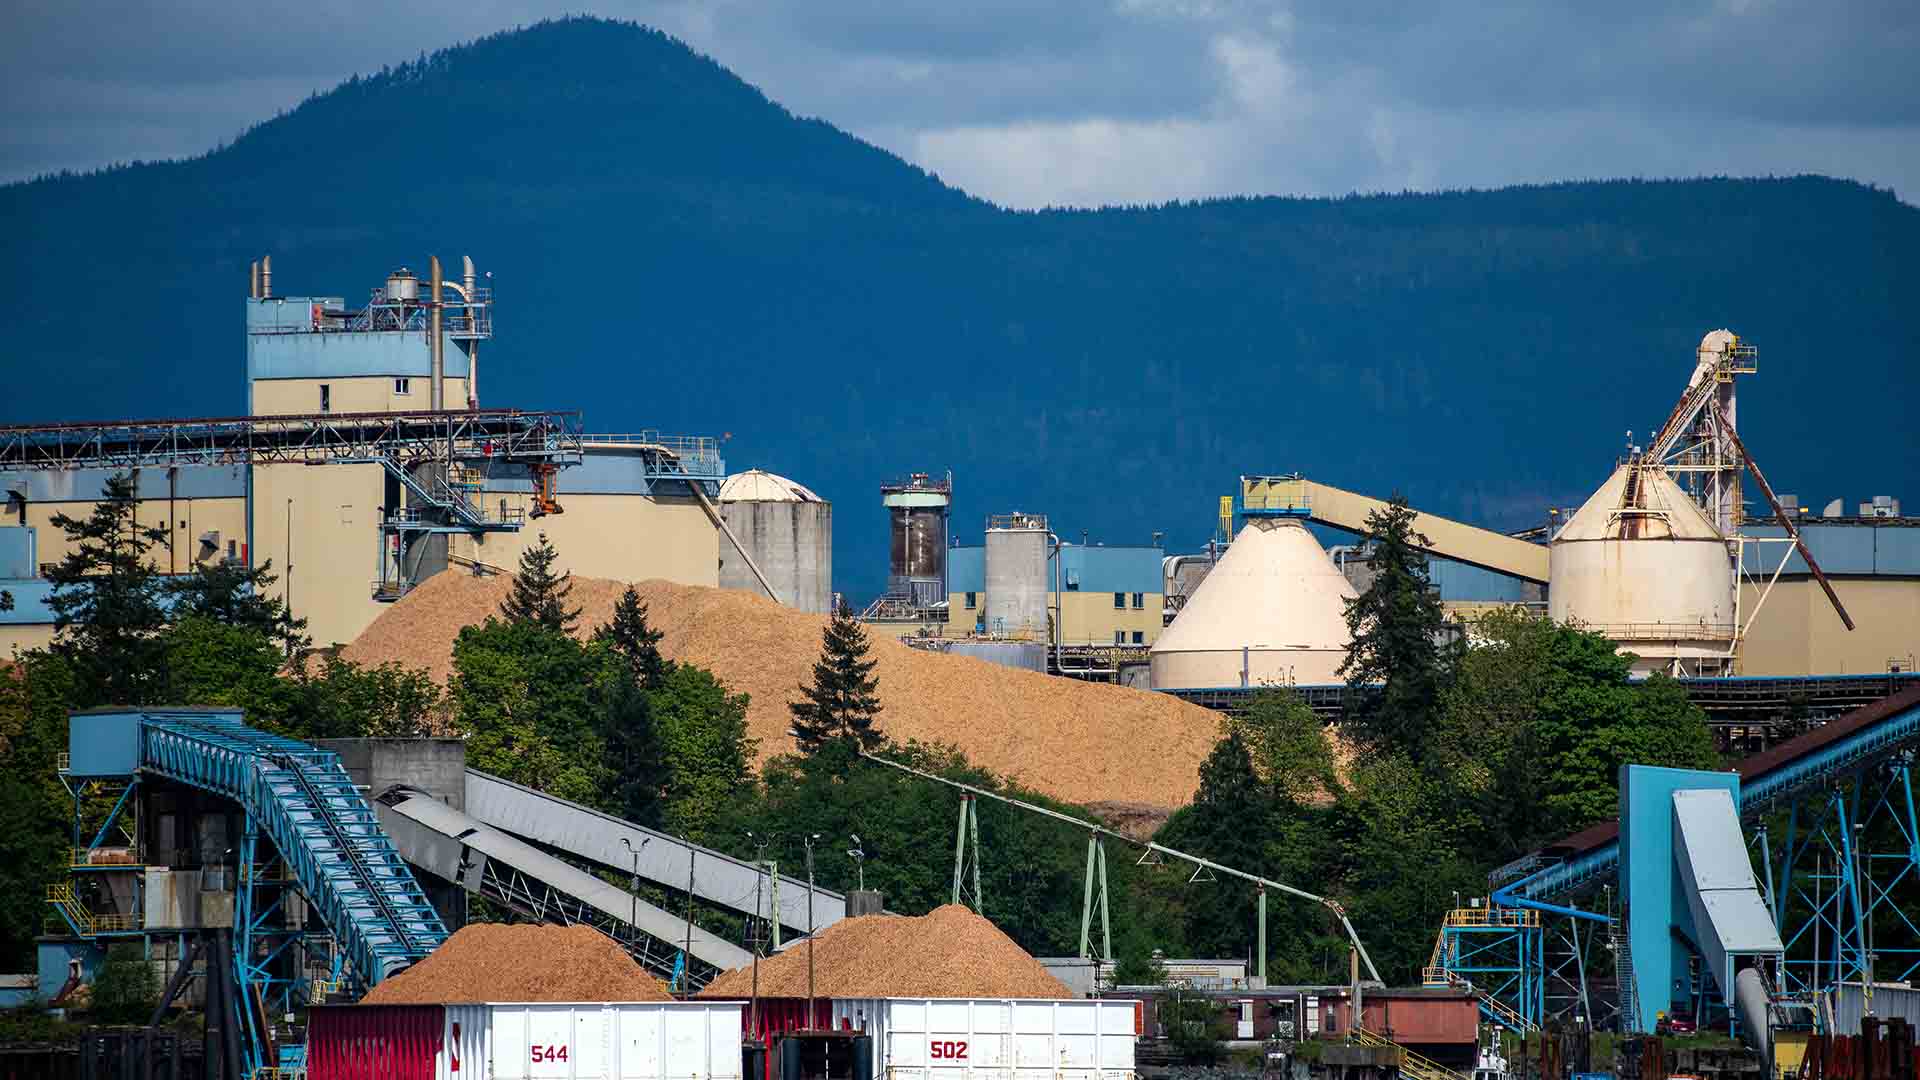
(437, 400)
(266, 277)
(473, 343)
(253, 280)
(1750, 1002)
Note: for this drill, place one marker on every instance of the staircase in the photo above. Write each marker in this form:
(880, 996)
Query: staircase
(1413, 1065)
(305, 803)
(454, 499)
(1622, 945)
(84, 922)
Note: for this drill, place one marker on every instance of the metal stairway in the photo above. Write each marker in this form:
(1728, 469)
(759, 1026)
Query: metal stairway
(305, 803)
(440, 495)
(1413, 1065)
(1621, 943)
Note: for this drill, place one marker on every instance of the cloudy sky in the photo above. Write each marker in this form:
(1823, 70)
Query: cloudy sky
(1035, 102)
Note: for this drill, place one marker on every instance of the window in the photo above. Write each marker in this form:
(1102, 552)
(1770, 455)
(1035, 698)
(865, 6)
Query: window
(326, 398)
(1119, 601)
(1119, 636)
(973, 600)
(1139, 601)
(1139, 637)
(403, 386)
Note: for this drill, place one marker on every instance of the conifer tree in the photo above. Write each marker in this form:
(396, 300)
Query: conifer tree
(843, 702)
(237, 595)
(1397, 626)
(539, 595)
(635, 640)
(106, 600)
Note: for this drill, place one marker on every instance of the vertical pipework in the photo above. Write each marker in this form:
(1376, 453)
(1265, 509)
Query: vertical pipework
(473, 327)
(434, 346)
(266, 277)
(253, 279)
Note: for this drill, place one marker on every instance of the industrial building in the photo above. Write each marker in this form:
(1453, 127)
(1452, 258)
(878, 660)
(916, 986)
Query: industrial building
(778, 541)
(417, 476)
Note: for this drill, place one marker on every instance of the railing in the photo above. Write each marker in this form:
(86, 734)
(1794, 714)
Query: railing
(1654, 631)
(1493, 916)
(89, 858)
(63, 761)
(1270, 496)
(1412, 1064)
(61, 895)
(1023, 522)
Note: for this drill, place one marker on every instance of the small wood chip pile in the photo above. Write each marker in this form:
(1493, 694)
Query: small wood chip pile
(949, 952)
(1079, 741)
(497, 962)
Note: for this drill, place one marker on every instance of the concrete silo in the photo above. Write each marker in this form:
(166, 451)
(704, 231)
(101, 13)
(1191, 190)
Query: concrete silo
(1271, 611)
(1016, 557)
(788, 531)
(1641, 563)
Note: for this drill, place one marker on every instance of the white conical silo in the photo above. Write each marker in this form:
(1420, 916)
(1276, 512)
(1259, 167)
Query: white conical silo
(1272, 610)
(1641, 563)
(789, 532)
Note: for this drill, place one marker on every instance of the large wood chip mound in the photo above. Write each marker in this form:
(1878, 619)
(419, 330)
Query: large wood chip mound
(949, 952)
(1079, 741)
(497, 962)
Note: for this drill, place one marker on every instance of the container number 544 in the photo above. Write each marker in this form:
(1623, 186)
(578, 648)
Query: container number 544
(549, 1053)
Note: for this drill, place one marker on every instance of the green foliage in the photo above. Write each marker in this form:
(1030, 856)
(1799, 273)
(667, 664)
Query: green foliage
(107, 599)
(1288, 745)
(345, 700)
(234, 594)
(527, 697)
(634, 640)
(539, 595)
(125, 991)
(843, 701)
(702, 731)
(636, 786)
(1397, 626)
(1138, 965)
(1195, 1028)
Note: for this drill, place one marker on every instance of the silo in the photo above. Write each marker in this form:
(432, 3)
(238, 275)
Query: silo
(1641, 563)
(789, 532)
(917, 511)
(1016, 604)
(1272, 611)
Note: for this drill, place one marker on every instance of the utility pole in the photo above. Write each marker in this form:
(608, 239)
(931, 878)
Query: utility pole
(759, 853)
(686, 955)
(633, 883)
(811, 837)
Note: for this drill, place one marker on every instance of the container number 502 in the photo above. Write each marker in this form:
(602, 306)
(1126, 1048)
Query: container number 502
(948, 1050)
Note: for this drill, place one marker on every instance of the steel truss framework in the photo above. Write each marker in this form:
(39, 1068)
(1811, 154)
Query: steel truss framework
(535, 899)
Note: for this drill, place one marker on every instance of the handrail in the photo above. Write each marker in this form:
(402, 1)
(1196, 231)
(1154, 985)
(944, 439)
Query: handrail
(1412, 1064)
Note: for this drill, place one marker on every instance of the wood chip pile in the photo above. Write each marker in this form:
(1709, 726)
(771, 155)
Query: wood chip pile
(496, 962)
(949, 952)
(1083, 742)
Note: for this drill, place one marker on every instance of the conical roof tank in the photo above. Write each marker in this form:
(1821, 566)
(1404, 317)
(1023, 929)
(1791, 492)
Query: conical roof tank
(1272, 611)
(1641, 563)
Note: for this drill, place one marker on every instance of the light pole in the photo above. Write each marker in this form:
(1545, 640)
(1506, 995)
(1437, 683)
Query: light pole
(811, 837)
(859, 858)
(633, 883)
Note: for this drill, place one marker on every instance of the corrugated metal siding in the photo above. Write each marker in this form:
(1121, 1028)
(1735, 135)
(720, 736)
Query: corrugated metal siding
(466, 1045)
(16, 552)
(1849, 1004)
(84, 485)
(1459, 581)
(967, 570)
(1840, 549)
(374, 1042)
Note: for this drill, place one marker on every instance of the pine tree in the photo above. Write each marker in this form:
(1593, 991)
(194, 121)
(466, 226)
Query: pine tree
(237, 595)
(631, 637)
(539, 596)
(106, 600)
(842, 703)
(1397, 626)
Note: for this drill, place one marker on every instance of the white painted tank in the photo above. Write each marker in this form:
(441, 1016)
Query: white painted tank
(789, 532)
(1016, 571)
(1271, 611)
(1640, 563)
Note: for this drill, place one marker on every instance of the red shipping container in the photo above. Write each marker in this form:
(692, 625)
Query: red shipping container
(393, 1042)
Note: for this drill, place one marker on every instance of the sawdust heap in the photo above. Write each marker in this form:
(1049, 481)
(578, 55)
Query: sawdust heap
(950, 952)
(1079, 741)
(496, 962)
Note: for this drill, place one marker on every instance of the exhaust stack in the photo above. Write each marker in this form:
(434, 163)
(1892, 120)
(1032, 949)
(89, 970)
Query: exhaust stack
(253, 279)
(434, 344)
(266, 277)
(473, 343)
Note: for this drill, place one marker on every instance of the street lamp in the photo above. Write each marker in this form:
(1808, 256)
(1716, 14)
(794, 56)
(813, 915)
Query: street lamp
(633, 883)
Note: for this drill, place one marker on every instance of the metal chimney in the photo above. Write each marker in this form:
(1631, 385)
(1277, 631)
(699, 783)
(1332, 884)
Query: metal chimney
(253, 279)
(434, 344)
(473, 328)
(266, 277)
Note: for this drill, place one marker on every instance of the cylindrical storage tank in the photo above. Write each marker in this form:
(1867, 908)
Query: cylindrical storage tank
(1016, 571)
(917, 511)
(1271, 611)
(1641, 563)
(402, 287)
(788, 530)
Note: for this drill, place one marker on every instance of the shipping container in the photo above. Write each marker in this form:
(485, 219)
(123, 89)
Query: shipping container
(691, 1040)
(995, 1039)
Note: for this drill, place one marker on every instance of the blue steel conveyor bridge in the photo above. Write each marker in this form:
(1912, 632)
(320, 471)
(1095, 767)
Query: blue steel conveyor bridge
(319, 832)
(1838, 787)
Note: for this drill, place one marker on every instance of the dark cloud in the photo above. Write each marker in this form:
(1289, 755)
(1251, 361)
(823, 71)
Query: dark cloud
(1083, 101)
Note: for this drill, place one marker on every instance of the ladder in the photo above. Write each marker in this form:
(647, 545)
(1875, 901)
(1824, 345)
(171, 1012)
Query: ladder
(1413, 1065)
(1622, 944)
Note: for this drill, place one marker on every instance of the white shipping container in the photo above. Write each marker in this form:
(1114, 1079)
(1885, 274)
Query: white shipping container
(995, 1038)
(690, 1040)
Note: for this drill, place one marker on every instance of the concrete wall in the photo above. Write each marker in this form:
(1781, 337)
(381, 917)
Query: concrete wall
(372, 393)
(1798, 633)
(436, 766)
(623, 537)
(792, 542)
(329, 565)
(1085, 618)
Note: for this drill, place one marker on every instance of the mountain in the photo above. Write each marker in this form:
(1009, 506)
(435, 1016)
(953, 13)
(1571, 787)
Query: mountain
(672, 250)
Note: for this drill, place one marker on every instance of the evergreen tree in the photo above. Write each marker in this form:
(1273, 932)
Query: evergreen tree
(636, 762)
(634, 640)
(237, 595)
(539, 595)
(1396, 625)
(843, 701)
(107, 600)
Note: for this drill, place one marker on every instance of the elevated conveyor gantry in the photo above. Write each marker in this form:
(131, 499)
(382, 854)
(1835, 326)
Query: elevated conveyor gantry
(1324, 504)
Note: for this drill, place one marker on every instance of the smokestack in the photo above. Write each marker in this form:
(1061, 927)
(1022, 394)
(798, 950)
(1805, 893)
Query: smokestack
(433, 334)
(253, 280)
(266, 277)
(473, 342)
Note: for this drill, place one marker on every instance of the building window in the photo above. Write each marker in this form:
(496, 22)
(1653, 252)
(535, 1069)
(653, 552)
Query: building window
(1139, 601)
(1119, 637)
(326, 398)
(403, 386)
(1139, 637)
(973, 601)
(1119, 601)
